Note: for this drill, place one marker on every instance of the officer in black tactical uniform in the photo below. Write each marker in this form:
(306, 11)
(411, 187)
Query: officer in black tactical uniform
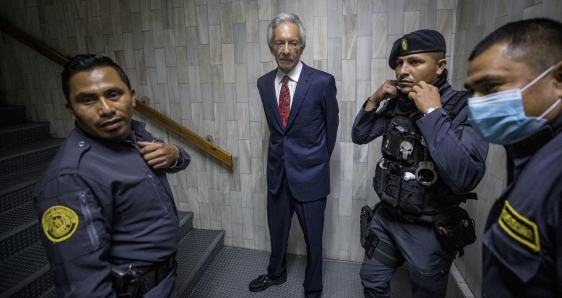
(431, 159)
(110, 226)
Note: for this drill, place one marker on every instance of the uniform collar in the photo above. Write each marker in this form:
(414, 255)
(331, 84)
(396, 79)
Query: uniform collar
(137, 127)
(530, 144)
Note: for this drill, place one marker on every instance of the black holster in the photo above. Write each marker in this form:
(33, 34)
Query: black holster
(135, 282)
(365, 218)
(454, 229)
(370, 241)
(125, 282)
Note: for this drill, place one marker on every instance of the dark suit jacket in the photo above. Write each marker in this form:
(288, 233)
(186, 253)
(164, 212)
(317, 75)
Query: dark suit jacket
(302, 150)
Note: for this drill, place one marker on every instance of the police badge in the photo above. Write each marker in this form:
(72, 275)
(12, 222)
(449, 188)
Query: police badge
(404, 44)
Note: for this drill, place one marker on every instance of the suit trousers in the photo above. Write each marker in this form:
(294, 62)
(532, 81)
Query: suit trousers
(428, 264)
(280, 210)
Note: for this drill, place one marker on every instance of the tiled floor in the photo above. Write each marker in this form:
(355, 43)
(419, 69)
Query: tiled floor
(234, 268)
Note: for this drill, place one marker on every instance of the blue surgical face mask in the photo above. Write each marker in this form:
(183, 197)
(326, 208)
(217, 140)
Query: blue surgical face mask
(500, 117)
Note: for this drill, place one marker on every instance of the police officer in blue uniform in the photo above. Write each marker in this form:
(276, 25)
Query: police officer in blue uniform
(110, 225)
(431, 157)
(516, 76)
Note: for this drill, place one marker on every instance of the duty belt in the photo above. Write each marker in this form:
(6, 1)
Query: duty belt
(135, 282)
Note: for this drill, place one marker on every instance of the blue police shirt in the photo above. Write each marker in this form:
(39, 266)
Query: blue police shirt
(522, 242)
(100, 203)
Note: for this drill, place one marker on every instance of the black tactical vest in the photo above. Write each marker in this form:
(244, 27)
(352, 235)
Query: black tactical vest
(406, 169)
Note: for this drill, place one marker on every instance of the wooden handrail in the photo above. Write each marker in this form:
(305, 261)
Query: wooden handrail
(141, 107)
(183, 132)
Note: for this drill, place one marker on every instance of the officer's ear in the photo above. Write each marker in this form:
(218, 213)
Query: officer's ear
(441, 64)
(133, 97)
(557, 73)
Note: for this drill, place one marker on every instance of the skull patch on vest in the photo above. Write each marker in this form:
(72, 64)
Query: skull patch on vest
(406, 149)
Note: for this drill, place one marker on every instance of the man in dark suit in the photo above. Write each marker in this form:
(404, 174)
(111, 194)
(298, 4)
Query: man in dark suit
(302, 114)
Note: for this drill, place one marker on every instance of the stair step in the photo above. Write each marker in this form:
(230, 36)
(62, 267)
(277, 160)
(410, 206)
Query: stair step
(186, 222)
(196, 252)
(9, 181)
(22, 133)
(16, 195)
(28, 155)
(16, 188)
(17, 220)
(19, 241)
(37, 285)
(51, 293)
(11, 115)
(23, 269)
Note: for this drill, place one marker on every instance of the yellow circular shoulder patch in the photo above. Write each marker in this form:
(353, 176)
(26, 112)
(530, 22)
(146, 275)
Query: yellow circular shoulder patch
(59, 223)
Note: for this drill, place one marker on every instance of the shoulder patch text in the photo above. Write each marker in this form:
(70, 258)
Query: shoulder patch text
(520, 228)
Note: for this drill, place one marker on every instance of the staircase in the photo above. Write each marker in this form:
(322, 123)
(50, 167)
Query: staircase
(25, 152)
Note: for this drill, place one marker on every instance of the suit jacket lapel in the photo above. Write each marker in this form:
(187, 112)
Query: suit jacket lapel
(272, 99)
(305, 79)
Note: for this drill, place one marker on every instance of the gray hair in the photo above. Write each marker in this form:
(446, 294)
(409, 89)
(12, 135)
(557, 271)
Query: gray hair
(286, 18)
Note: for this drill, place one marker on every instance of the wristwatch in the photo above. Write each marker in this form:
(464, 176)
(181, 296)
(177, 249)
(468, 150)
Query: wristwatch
(429, 111)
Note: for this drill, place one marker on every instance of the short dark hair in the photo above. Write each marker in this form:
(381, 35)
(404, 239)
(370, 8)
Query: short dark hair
(536, 42)
(437, 56)
(87, 62)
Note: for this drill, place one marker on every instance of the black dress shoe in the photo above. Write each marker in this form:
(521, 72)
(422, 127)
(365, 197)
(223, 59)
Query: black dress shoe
(313, 294)
(263, 282)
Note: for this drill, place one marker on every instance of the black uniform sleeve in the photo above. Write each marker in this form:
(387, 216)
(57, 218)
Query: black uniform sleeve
(459, 154)
(368, 125)
(76, 236)
(182, 162)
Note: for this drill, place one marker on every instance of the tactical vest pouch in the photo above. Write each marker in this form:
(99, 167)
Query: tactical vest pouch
(378, 179)
(411, 197)
(391, 143)
(402, 144)
(391, 190)
(454, 229)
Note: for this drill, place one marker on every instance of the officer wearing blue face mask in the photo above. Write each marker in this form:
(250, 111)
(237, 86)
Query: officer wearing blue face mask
(516, 76)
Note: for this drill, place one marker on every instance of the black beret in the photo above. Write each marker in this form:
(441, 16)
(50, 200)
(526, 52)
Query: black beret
(421, 41)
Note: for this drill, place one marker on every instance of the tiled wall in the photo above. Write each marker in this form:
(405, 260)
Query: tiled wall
(476, 19)
(198, 62)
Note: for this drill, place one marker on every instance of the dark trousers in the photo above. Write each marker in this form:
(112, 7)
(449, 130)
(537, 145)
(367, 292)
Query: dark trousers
(280, 209)
(428, 264)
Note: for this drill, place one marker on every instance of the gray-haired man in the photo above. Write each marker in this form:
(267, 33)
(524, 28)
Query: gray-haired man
(302, 114)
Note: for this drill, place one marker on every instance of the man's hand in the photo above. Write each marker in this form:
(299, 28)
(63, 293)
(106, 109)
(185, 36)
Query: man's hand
(425, 96)
(387, 90)
(158, 155)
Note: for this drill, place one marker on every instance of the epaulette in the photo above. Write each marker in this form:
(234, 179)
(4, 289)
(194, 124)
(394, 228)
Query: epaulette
(456, 103)
(74, 148)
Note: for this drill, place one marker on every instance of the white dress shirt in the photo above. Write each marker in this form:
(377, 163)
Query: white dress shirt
(292, 83)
